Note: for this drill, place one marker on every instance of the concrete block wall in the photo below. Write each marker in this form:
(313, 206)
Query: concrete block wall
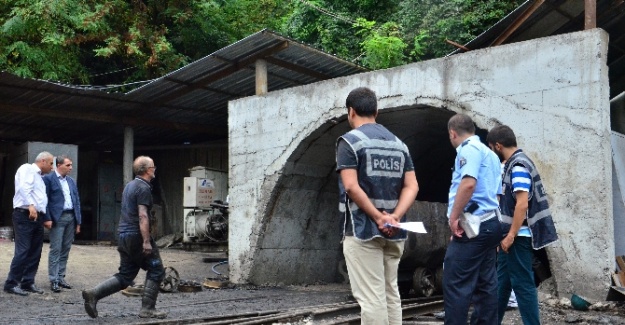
(552, 91)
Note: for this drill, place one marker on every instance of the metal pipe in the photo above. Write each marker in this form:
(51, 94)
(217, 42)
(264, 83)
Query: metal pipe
(618, 98)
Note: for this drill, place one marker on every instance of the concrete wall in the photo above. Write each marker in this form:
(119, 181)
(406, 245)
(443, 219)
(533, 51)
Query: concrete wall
(552, 91)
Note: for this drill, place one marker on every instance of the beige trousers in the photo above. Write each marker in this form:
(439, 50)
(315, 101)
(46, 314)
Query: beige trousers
(372, 269)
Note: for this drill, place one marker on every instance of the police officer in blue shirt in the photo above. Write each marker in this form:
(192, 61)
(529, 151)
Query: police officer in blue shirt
(470, 274)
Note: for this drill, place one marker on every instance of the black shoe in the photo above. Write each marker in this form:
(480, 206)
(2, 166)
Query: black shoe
(64, 284)
(16, 291)
(32, 288)
(54, 286)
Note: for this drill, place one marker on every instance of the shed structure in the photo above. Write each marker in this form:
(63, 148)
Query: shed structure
(179, 119)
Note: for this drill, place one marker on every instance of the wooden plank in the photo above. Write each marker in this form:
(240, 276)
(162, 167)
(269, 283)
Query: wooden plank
(460, 46)
(261, 77)
(621, 263)
(621, 277)
(517, 23)
(616, 280)
(590, 14)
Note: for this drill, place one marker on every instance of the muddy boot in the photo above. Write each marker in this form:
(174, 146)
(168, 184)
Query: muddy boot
(91, 296)
(150, 292)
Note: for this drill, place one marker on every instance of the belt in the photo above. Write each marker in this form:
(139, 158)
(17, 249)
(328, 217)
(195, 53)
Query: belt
(27, 211)
(488, 215)
(68, 211)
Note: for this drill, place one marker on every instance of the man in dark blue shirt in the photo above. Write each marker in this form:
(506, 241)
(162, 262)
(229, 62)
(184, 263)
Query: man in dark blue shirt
(137, 250)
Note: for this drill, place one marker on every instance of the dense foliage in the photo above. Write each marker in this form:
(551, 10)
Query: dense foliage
(120, 41)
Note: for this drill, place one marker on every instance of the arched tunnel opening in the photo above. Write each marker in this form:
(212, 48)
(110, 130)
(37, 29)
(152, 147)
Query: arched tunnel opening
(301, 241)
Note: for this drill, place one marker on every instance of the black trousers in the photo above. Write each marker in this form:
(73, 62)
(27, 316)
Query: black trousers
(132, 259)
(28, 244)
(470, 276)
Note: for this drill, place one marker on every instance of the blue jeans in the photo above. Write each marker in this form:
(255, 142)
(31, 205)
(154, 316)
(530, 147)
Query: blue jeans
(61, 238)
(514, 272)
(469, 276)
(28, 244)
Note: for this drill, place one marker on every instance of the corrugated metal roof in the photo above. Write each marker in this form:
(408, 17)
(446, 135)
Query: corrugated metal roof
(187, 105)
(554, 17)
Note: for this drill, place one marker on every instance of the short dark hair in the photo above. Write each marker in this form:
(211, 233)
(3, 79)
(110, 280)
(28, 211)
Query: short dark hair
(462, 124)
(60, 160)
(363, 100)
(503, 135)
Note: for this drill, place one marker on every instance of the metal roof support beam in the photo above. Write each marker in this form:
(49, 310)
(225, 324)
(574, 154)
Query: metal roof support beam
(590, 14)
(618, 98)
(103, 118)
(517, 23)
(297, 68)
(129, 140)
(261, 77)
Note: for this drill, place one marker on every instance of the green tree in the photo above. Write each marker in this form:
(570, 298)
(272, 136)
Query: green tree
(409, 30)
(119, 41)
(332, 25)
(33, 42)
(382, 47)
(428, 23)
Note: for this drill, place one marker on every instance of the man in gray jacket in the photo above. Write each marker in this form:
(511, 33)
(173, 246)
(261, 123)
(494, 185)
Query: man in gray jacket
(64, 212)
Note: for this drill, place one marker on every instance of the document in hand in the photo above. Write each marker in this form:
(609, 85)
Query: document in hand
(410, 226)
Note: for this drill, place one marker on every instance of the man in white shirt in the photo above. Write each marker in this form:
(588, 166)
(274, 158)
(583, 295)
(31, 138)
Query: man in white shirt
(29, 207)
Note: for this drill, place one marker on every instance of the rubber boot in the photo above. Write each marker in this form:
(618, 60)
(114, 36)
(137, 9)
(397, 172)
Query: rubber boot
(91, 296)
(148, 302)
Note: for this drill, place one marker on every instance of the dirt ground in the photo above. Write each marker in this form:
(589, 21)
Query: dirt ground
(88, 265)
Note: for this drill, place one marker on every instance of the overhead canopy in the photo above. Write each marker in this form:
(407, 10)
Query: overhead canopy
(540, 18)
(186, 106)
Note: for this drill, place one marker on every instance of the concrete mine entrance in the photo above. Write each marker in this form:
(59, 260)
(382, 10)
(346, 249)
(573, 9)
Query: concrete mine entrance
(303, 214)
(283, 223)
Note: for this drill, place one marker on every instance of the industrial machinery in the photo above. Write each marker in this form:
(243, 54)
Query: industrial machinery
(205, 212)
(207, 225)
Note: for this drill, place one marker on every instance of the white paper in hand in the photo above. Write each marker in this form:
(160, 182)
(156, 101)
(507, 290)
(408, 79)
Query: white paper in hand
(416, 226)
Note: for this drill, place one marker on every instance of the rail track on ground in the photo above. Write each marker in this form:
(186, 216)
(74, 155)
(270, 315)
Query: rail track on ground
(329, 314)
(347, 312)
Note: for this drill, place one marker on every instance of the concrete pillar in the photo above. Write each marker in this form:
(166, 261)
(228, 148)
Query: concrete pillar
(261, 77)
(128, 153)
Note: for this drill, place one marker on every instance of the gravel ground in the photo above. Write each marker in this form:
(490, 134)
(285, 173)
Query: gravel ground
(89, 264)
